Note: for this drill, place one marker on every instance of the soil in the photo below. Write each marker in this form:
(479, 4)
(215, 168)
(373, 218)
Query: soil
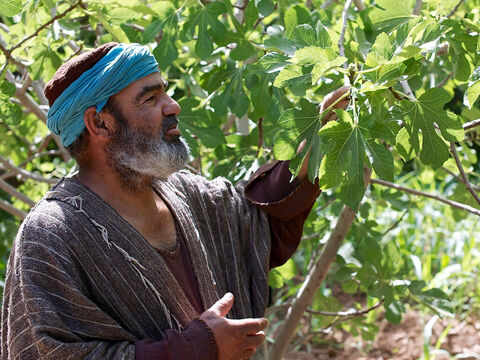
(402, 342)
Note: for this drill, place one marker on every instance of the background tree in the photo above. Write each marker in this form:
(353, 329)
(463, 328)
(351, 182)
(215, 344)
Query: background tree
(250, 76)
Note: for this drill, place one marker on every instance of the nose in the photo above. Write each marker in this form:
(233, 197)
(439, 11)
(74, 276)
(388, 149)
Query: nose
(171, 107)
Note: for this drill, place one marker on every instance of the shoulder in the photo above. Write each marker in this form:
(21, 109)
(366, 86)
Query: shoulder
(186, 182)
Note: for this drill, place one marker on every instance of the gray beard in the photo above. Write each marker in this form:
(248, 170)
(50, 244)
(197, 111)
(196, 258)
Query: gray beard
(137, 156)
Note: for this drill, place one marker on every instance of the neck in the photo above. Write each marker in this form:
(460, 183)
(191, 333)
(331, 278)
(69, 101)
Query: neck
(106, 183)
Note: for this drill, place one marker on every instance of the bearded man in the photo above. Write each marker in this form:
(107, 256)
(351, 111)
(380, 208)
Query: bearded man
(132, 258)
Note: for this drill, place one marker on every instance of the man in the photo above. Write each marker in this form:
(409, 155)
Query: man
(132, 258)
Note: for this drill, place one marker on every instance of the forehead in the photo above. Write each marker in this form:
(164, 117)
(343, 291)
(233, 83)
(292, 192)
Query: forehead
(136, 87)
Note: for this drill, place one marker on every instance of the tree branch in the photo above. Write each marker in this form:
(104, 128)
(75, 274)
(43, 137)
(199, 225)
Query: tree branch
(462, 173)
(51, 21)
(359, 4)
(452, 203)
(9, 208)
(454, 10)
(314, 279)
(471, 124)
(10, 190)
(24, 174)
(341, 48)
(418, 7)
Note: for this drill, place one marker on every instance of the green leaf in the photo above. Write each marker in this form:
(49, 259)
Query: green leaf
(288, 72)
(390, 13)
(281, 43)
(275, 280)
(166, 52)
(10, 112)
(7, 88)
(346, 156)
(266, 7)
(299, 124)
(305, 35)
(404, 145)
(394, 312)
(10, 7)
(473, 91)
(288, 270)
(381, 159)
(322, 67)
(273, 62)
(420, 115)
(205, 19)
(323, 38)
(290, 21)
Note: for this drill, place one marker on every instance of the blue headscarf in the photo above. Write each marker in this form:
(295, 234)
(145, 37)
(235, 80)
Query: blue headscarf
(122, 65)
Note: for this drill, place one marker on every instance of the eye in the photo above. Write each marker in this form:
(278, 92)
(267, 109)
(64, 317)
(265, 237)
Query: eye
(149, 99)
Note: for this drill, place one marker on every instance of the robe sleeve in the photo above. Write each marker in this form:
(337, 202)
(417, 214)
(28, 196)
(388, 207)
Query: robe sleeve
(287, 204)
(195, 342)
(47, 312)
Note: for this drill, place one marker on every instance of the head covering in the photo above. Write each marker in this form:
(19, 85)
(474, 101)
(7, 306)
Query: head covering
(90, 80)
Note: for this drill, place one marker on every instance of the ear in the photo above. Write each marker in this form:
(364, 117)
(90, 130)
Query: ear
(100, 126)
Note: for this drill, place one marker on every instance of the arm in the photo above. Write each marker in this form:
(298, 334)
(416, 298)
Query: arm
(288, 203)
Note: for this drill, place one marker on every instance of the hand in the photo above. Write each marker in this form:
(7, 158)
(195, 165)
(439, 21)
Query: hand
(236, 339)
(330, 99)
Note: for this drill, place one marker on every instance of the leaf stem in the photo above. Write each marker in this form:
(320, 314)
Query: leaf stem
(462, 173)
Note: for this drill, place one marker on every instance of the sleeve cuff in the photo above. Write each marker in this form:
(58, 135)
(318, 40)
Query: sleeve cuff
(195, 342)
(274, 178)
(201, 339)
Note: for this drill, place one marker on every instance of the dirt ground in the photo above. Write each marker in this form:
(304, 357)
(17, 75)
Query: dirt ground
(403, 342)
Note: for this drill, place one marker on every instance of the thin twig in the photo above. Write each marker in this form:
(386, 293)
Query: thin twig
(452, 203)
(396, 223)
(344, 29)
(462, 173)
(10, 58)
(471, 124)
(349, 313)
(455, 9)
(444, 81)
(459, 178)
(24, 174)
(9, 208)
(51, 21)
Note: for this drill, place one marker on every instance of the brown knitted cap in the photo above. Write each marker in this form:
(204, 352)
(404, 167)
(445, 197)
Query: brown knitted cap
(73, 69)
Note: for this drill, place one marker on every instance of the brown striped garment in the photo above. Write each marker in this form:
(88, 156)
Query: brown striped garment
(82, 283)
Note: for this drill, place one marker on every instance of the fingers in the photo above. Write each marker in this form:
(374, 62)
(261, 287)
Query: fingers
(223, 306)
(253, 326)
(331, 99)
(333, 96)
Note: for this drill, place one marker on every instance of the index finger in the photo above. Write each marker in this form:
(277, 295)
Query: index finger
(251, 326)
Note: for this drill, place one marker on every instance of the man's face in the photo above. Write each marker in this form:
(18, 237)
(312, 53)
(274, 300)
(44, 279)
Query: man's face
(146, 143)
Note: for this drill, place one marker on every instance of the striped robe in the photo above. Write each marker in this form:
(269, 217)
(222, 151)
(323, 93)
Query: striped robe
(82, 283)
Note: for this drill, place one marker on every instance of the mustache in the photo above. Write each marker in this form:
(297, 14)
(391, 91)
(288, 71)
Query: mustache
(168, 121)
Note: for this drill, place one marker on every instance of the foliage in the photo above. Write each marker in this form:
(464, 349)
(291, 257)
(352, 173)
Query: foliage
(250, 76)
